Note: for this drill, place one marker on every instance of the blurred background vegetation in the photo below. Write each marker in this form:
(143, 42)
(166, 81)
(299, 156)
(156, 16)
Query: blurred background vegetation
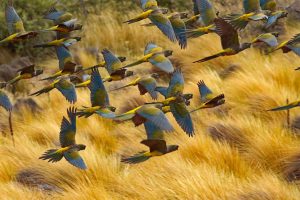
(32, 15)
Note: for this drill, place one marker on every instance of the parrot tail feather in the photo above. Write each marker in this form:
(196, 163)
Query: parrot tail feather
(52, 155)
(137, 158)
(83, 113)
(11, 127)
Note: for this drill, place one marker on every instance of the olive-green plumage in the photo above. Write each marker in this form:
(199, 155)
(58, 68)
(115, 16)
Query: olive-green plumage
(146, 84)
(229, 40)
(69, 148)
(208, 98)
(99, 99)
(64, 86)
(15, 26)
(27, 72)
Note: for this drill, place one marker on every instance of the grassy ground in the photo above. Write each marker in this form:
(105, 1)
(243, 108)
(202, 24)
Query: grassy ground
(239, 151)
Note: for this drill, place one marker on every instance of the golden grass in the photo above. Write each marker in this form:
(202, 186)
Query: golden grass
(251, 156)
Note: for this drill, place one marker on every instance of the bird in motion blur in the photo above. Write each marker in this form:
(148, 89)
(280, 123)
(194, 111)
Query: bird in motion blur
(252, 12)
(146, 84)
(147, 113)
(66, 64)
(157, 17)
(289, 45)
(64, 86)
(114, 67)
(15, 26)
(66, 42)
(102, 64)
(286, 107)
(179, 29)
(208, 98)
(66, 27)
(274, 15)
(207, 17)
(69, 148)
(7, 105)
(229, 40)
(99, 99)
(27, 72)
(177, 102)
(58, 17)
(157, 57)
(155, 142)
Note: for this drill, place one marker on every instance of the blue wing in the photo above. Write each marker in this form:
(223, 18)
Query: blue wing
(295, 48)
(206, 10)
(203, 90)
(163, 63)
(75, 159)
(112, 62)
(163, 91)
(14, 22)
(149, 47)
(164, 25)
(176, 84)
(272, 20)
(156, 116)
(67, 89)
(68, 129)
(99, 96)
(53, 14)
(63, 55)
(153, 132)
(180, 32)
(183, 117)
(5, 102)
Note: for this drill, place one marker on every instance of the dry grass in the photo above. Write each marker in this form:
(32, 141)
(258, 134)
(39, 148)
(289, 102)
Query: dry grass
(249, 155)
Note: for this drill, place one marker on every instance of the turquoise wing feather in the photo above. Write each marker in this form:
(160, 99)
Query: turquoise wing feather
(75, 159)
(4, 101)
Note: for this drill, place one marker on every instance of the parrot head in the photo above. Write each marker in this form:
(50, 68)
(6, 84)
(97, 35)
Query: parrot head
(122, 58)
(276, 34)
(168, 53)
(129, 73)
(155, 75)
(113, 109)
(80, 147)
(172, 148)
(78, 26)
(38, 72)
(245, 46)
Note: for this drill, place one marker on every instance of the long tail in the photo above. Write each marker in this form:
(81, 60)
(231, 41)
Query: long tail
(84, 113)
(11, 127)
(125, 86)
(14, 80)
(42, 91)
(194, 33)
(131, 21)
(134, 64)
(48, 78)
(209, 58)
(137, 158)
(52, 155)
